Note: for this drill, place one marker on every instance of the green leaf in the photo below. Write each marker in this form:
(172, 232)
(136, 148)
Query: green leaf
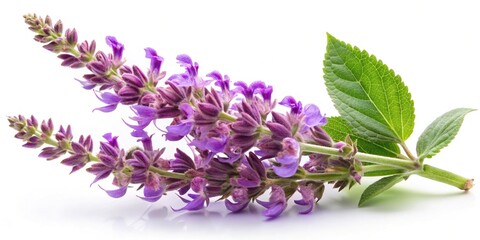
(379, 187)
(338, 129)
(367, 94)
(440, 132)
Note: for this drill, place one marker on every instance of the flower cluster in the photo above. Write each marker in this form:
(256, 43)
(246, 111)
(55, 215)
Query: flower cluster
(243, 146)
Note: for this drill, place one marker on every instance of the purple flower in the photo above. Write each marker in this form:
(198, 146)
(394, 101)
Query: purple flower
(198, 201)
(288, 158)
(144, 116)
(311, 113)
(222, 82)
(111, 99)
(190, 77)
(276, 204)
(289, 101)
(112, 140)
(152, 190)
(249, 90)
(116, 47)
(308, 198)
(144, 138)
(313, 116)
(182, 129)
(240, 198)
(155, 60)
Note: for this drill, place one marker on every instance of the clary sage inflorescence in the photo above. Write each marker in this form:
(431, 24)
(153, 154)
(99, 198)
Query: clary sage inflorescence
(242, 146)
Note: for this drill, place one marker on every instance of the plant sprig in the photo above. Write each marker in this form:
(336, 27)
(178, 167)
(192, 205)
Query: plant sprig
(243, 146)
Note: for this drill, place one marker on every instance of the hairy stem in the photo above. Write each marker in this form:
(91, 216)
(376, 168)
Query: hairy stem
(408, 152)
(365, 157)
(446, 177)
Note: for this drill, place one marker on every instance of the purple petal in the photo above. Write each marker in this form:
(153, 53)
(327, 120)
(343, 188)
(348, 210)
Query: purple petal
(288, 101)
(300, 202)
(264, 203)
(86, 84)
(144, 111)
(138, 128)
(116, 47)
(108, 98)
(177, 132)
(267, 93)
(184, 60)
(313, 117)
(287, 159)
(235, 207)
(257, 86)
(286, 171)
(304, 203)
(101, 175)
(112, 140)
(275, 210)
(196, 204)
(152, 195)
(155, 60)
(117, 193)
(215, 75)
(106, 109)
(186, 109)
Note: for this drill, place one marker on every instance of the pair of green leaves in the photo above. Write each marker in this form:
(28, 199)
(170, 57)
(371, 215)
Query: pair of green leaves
(377, 110)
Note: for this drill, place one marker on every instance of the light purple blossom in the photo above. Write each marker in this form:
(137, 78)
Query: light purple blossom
(117, 47)
(240, 200)
(249, 90)
(144, 116)
(176, 132)
(198, 201)
(313, 116)
(288, 158)
(190, 77)
(276, 203)
(289, 101)
(308, 198)
(155, 60)
(111, 99)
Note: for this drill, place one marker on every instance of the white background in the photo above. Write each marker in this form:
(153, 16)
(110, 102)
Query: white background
(433, 45)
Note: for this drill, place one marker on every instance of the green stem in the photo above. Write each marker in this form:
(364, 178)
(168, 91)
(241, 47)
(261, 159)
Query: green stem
(407, 151)
(168, 174)
(365, 157)
(325, 176)
(446, 177)
(380, 170)
(375, 167)
(227, 117)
